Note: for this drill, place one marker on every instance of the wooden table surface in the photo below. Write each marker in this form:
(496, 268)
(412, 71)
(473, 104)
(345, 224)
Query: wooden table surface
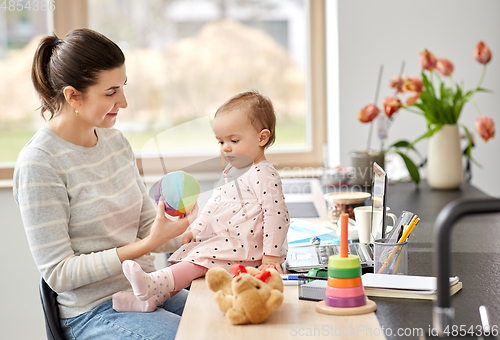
(294, 319)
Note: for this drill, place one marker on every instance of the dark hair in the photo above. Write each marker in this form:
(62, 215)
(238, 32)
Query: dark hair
(258, 108)
(74, 61)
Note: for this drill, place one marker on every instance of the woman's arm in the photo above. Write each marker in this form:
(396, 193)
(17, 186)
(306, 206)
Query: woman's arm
(150, 216)
(40, 189)
(77, 240)
(162, 231)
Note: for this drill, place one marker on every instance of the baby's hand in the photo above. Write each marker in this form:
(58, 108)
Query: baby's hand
(189, 237)
(271, 262)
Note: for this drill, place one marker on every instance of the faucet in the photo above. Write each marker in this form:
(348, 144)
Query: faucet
(442, 312)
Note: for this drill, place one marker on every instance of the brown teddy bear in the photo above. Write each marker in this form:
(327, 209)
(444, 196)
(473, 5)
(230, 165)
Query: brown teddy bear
(250, 297)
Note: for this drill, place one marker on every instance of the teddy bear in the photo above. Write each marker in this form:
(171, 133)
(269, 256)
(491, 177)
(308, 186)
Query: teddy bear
(248, 297)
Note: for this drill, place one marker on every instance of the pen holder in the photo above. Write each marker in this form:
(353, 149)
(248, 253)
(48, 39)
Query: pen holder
(391, 258)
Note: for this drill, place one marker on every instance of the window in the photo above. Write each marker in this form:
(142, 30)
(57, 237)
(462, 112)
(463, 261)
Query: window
(19, 34)
(186, 57)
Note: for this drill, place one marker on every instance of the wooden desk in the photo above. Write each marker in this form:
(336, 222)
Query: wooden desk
(475, 259)
(294, 319)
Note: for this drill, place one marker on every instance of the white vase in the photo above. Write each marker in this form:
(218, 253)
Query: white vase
(444, 160)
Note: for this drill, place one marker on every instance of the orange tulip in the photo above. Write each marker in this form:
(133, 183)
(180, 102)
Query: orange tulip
(413, 99)
(485, 127)
(482, 53)
(413, 84)
(391, 106)
(397, 83)
(368, 113)
(444, 66)
(427, 60)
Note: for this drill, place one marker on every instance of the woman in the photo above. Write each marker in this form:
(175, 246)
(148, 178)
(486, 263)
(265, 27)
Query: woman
(84, 206)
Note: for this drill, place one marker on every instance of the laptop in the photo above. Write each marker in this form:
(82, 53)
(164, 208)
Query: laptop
(305, 258)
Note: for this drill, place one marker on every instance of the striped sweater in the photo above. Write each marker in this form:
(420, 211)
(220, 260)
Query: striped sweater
(78, 205)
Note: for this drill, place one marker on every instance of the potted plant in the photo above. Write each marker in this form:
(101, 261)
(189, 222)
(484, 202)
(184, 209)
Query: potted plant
(440, 101)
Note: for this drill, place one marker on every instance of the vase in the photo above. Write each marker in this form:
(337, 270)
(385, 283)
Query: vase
(362, 162)
(444, 160)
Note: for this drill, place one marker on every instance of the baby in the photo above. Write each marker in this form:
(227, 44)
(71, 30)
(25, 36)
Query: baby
(245, 221)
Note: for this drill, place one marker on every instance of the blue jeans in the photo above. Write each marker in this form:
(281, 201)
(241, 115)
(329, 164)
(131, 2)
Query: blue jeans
(103, 322)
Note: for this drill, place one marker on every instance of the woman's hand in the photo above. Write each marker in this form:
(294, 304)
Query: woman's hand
(164, 229)
(271, 262)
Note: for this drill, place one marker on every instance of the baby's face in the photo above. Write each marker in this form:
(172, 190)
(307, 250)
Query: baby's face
(240, 143)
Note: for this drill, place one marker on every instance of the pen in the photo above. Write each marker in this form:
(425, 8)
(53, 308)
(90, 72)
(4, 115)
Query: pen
(397, 231)
(290, 279)
(410, 228)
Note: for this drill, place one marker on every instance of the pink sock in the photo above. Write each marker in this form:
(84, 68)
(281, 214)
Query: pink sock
(127, 302)
(159, 283)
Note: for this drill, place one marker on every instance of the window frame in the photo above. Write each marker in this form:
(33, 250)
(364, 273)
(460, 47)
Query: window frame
(70, 14)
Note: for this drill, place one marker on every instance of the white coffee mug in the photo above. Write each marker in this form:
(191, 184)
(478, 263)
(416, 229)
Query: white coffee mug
(363, 216)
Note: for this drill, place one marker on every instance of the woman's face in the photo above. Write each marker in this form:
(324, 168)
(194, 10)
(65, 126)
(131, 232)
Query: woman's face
(100, 104)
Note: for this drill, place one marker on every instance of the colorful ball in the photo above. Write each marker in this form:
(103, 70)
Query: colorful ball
(179, 190)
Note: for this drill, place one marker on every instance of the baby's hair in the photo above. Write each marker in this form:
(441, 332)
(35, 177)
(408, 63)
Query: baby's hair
(258, 108)
(74, 61)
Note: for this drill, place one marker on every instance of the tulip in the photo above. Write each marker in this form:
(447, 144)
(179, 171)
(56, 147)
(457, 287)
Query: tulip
(482, 53)
(397, 83)
(444, 66)
(485, 127)
(391, 106)
(413, 99)
(413, 84)
(427, 60)
(368, 113)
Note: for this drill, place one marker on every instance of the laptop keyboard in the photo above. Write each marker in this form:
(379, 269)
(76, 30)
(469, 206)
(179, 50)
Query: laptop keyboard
(364, 251)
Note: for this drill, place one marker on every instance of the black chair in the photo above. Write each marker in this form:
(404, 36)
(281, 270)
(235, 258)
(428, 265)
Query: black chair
(51, 312)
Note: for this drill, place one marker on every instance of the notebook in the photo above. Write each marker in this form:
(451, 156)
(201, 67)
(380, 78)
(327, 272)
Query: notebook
(383, 285)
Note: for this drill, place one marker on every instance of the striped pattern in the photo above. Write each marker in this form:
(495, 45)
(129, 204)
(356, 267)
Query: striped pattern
(78, 205)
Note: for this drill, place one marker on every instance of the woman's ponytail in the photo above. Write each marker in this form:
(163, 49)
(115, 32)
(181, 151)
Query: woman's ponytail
(40, 75)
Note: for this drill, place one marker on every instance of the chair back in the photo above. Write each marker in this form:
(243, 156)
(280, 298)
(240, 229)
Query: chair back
(51, 312)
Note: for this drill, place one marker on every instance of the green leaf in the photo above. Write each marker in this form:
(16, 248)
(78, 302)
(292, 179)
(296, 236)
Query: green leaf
(401, 144)
(469, 147)
(428, 134)
(405, 144)
(484, 90)
(427, 84)
(412, 168)
(458, 102)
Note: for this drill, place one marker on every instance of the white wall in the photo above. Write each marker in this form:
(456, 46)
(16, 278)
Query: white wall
(371, 33)
(21, 315)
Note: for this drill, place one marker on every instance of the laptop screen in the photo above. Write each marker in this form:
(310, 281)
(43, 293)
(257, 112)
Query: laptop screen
(379, 189)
